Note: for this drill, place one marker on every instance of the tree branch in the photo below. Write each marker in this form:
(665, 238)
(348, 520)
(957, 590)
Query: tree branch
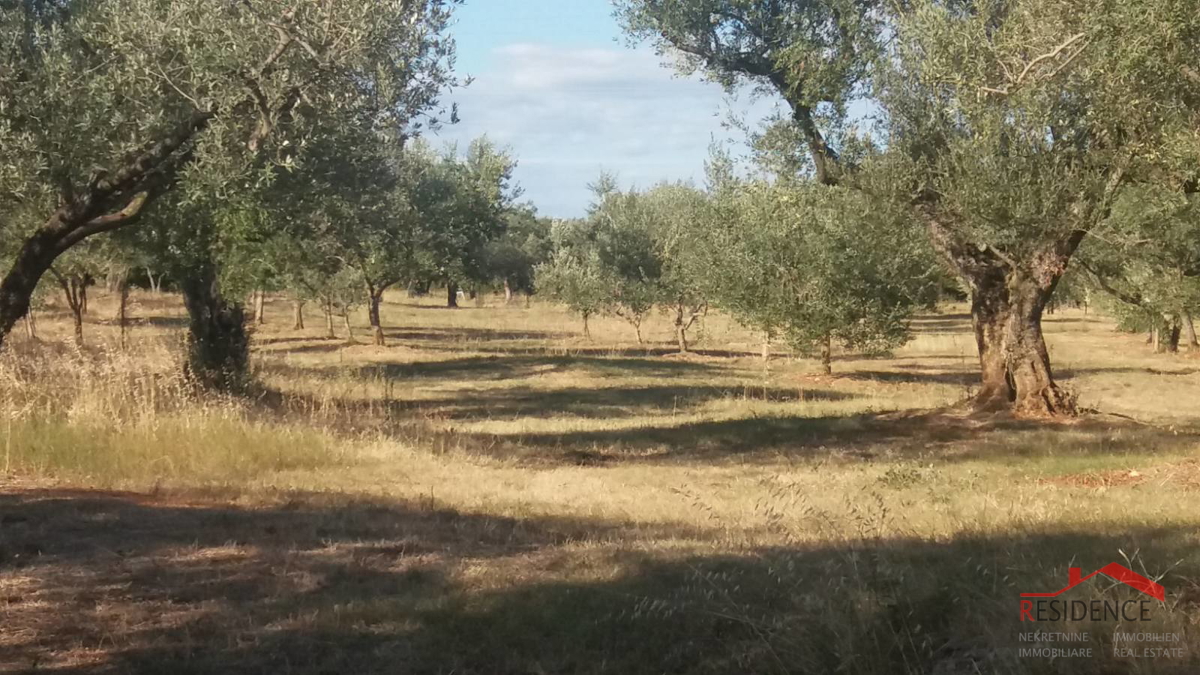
(1127, 298)
(1015, 83)
(107, 222)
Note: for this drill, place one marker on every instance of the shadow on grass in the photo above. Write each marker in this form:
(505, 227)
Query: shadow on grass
(129, 584)
(160, 321)
(469, 335)
(917, 374)
(930, 436)
(402, 418)
(606, 403)
(514, 366)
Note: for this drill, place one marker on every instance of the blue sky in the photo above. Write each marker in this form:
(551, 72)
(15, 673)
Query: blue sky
(556, 82)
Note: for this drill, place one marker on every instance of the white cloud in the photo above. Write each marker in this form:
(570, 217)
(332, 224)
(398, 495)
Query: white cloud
(570, 113)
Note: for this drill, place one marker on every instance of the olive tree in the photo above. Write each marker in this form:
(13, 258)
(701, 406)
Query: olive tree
(575, 275)
(623, 224)
(819, 266)
(1147, 262)
(649, 244)
(148, 96)
(1016, 125)
(510, 261)
(1012, 125)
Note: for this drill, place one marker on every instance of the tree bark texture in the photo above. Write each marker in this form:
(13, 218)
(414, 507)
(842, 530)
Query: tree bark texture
(218, 344)
(1007, 303)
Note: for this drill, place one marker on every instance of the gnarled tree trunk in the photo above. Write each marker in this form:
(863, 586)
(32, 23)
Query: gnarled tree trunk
(451, 294)
(686, 315)
(1027, 359)
(1007, 302)
(990, 311)
(218, 345)
(681, 332)
(31, 264)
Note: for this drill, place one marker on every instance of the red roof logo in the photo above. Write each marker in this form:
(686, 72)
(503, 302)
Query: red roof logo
(1114, 571)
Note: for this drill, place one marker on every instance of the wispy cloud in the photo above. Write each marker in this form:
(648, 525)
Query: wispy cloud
(570, 113)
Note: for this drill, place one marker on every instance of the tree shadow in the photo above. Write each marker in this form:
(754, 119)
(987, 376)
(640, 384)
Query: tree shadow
(937, 436)
(469, 335)
(510, 366)
(941, 324)
(601, 403)
(1071, 373)
(915, 375)
(160, 321)
(134, 584)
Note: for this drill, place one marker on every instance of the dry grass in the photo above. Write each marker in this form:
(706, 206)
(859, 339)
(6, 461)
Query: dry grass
(493, 494)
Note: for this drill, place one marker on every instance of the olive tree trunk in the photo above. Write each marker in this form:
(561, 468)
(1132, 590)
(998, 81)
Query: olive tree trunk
(451, 294)
(73, 286)
(121, 282)
(1189, 332)
(990, 310)
(1027, 359)
(373, 300)
(328, 309)
(686, 314)
(375, 291)
(298, 315)
(218, 345)
(1173, 331)
(1008, 299)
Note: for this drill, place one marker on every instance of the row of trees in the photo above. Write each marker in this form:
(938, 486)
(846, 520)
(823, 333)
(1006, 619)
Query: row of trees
(800, 263)
(190, 117)
(273, 144)
(238, 147)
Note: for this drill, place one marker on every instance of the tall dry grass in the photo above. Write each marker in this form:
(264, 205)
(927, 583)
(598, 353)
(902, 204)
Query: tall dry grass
(107, 416)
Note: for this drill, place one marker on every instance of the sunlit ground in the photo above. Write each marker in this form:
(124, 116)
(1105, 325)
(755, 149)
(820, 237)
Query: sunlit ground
(491, 493)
